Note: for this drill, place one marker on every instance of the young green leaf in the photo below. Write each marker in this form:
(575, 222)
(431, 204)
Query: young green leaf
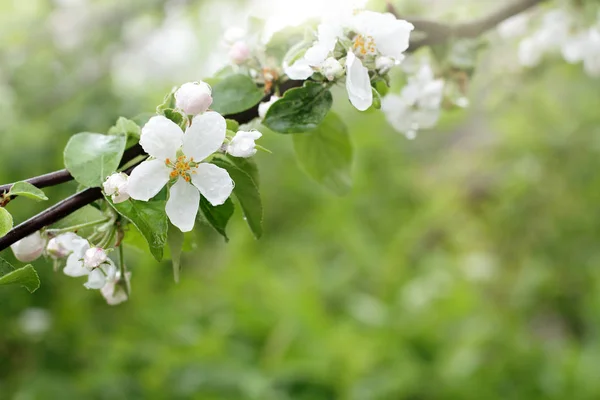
(217, 217)
(128, 128)
(26, 276)
(326, 154)
(26, 189)
(175, 240)
(300, 110)
(232, 125)
(91, 157)
(245, 164)
(235, 94)
(246, 191)
(6, 221)
(150, 218)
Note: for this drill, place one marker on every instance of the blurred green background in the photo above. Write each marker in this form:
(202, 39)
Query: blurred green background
(463, 265)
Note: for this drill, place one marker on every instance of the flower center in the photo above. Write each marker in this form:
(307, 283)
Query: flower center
(182, 167)
(365, 45)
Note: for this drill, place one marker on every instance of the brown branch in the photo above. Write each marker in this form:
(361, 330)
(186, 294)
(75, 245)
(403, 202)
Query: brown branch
(436, 32)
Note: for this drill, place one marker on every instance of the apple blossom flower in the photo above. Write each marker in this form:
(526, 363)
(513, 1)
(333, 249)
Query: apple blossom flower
(29, 248)
(417, 106)
(193, 97)
(264, 107)
(93, 257)
(242, 145)
(116, 187)
(113, 291)
(375, 35)
(384, 64)
(64, 244)
(332, 69)
(177, 158)
(239, 52)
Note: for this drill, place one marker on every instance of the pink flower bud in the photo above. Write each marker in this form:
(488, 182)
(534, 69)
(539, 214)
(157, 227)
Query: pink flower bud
(239, 52)
(93, 257)
(193, 97)
(30, 248)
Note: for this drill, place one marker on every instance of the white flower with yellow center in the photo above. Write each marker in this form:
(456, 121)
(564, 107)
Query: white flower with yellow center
(177, 157)
(374, 36)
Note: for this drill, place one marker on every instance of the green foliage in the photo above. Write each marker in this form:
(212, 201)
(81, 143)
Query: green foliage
(91, 157)
(150, 219)
(127, 127)
(283, 40)
(176, 116)
(235, 94)
(6, 221)
(25, 276)
(246, 191)
(25, 189)
(300, 109)
(217, 217)
(326, 154)
(232, 125)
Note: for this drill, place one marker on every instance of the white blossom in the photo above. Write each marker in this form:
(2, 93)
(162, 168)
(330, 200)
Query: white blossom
(242, 145)
(264, 107)
(193, 97)
(418, 105)
(113, 291)
(239, 52)
(29, 248)
(64, 244)
(177, 157)
(94, 257)
(384, 64)
(332, 69)
(116, 187)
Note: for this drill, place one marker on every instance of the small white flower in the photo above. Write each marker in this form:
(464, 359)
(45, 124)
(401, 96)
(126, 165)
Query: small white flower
(177, 157)
(116, 187)
(65, 244)
(29, 248)
(113, 291)
(94, 257)
(193, 97)
(242, 145)
(264, 107)
(332, 69)
(239, 52)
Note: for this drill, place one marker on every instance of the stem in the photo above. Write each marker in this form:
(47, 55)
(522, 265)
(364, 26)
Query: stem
(122, 269)
(77, 227)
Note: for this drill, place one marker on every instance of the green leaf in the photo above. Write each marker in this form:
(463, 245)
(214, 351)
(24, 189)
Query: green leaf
(26, 189)
(26, 276)
(326, 154)
(232, 125)
(6, 221)
(176, 116)
(248, 165)
(128, 128)
(300, 110)
(150, 218)
(175, 239)
(91, 157)
(168, 101)
(246, 191)
(217, 217)
(235, 94)
(376, 99)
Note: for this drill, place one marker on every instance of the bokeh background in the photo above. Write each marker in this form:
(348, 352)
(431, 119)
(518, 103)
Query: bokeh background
(464, 264)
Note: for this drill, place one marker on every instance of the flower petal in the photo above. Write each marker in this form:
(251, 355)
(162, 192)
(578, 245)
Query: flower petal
(182, 206)
(96, 279)
(300, 70)
(205, 135)
(214, 183)
(147, 179)
(75, 266)
(161, 138)
(358, 83)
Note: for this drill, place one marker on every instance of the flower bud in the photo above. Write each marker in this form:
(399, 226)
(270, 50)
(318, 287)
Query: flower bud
(263, 108)
(242, 145)
(115, 290)
(116, 187)
(93, 257)
(332, 69)
(239, 52)
(193, 97)
(384, 64)
(30, 248)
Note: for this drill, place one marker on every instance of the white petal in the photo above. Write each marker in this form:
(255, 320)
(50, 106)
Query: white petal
(161, 137)
(96, 279)
(204, 136)
(358, 83)
(182, 206)
(316, 55)
(214, 183)
(395, 42)
(300, 70)
(75, 266)
(147, 179)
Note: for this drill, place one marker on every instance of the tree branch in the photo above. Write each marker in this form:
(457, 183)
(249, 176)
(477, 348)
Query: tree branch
(437, 33)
